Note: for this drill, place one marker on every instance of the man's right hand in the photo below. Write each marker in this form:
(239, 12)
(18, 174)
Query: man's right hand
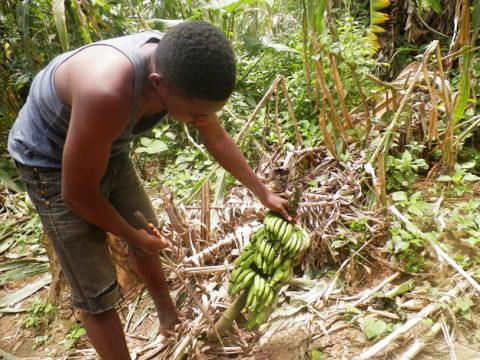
(150, 243)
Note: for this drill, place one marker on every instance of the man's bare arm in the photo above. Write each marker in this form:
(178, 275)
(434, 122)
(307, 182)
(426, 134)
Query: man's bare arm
(219, 143)
(98, 117)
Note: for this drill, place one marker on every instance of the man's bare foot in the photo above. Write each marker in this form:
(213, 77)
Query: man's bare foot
(168, 323)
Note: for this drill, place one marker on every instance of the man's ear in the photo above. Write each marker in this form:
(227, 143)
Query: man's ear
(158, 82)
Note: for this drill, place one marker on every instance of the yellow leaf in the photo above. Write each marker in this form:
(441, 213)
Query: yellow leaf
(379, 4)
(377, 17)
(376, 29)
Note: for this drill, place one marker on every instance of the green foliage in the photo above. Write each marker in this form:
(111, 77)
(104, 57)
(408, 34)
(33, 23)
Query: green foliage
(464, 304)
(351, 237)
(316, 355)
(407, 247)
(402, 172)
(75, 333)
(457, 183)
(355, 51)
(413, 205)
(435, 5)
(39, 315)
(467, 223)
(373, 327)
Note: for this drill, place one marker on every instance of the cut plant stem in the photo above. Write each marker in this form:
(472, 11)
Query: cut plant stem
(228, 317)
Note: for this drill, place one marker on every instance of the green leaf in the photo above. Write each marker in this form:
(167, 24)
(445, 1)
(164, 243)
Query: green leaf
(316, 355)
(68, 344)
(352, 310)
(151, 146)
(270, 43)
(338, 244)
(436, 6)
(416, 209)
(58, 7)
(399, 196)
(9, 176)
(406, 156)
(468, 165)
(464, 303)
(471, 177)
(23, 272)
(445, 178)
(373, 327)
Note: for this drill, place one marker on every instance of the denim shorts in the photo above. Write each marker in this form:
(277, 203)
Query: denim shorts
(81, 247)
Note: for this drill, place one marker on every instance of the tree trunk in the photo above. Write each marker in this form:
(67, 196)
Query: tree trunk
(58, 284)
(126, 277)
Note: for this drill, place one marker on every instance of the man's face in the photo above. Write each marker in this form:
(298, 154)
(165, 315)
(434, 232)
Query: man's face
(191, 111)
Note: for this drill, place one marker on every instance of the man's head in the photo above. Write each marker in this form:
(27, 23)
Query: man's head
(195, 62)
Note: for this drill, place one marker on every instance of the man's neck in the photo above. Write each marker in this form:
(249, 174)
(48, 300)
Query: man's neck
(150, 102)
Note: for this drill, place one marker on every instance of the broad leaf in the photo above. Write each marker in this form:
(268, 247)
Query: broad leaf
(151, 146)
(373, 327)
(399, 196)
(464, 303)
(436, 6)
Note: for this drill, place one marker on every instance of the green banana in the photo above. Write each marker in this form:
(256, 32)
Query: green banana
(269, 299)
(271, 254)
(268, 221)
(285, 239)
(266, 250)
(243, 275)
(278, 275)
(278, 224)
(248, 261)
(251, 293)
(281, 230)
(288, 246)
(264, 243)
(256, 284)
(242, 257)
(258, 260)
(234, 274)
(287, 264)
(254, 303)
(246, 282)
(264, 265)
(278, 260)
(261, 287)
(287, 233)
(297, 246)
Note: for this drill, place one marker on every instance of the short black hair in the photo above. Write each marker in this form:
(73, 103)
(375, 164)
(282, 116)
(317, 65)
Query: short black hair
(196, 59)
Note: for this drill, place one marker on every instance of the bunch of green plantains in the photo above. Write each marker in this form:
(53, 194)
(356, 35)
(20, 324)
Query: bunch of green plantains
(265, 263)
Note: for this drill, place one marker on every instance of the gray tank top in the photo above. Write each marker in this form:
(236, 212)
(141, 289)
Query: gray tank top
(38, 135)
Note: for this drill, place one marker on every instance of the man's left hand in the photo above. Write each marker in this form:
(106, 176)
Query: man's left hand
(278, 205)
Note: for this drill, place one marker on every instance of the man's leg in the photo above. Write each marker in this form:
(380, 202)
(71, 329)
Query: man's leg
(128, 196)
(106, 334)
(149, 268)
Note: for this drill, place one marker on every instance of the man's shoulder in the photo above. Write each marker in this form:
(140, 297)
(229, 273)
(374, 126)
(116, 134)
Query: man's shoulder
(103, 69)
